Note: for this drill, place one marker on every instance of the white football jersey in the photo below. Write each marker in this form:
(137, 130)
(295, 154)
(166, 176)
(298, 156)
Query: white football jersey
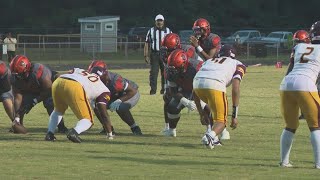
(91, 83)
(306, 61)
(221, 70)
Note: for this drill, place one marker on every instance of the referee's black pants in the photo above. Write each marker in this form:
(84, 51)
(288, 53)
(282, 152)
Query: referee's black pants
(155, 64)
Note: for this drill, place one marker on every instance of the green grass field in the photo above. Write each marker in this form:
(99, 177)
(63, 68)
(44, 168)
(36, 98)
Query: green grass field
(252, 152)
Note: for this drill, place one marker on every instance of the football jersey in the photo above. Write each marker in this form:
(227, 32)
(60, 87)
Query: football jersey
(91, 83)
(32, 83)
(5, 75)
(221, 70)
(185, 80)
(118, 85)
(190, 51)
(210, 42)
(306, 61)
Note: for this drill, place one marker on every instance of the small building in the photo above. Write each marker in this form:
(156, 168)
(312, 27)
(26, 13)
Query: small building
(99, 34)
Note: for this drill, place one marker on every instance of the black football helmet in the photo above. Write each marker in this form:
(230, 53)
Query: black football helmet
(227, 51)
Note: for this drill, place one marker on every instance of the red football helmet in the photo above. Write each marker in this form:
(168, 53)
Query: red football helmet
(20, 66)
(315, 31)
(97, 63)
(178, 59)
(301, 36)
(171, 41)
(201, 28)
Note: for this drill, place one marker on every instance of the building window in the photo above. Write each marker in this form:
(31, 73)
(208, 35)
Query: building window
(90, 27)
(108, 27)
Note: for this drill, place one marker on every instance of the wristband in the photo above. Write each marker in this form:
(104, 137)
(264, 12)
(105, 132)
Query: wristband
(199, 48)
(235, 111)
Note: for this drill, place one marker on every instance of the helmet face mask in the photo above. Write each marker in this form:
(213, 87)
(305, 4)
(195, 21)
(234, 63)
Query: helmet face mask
(201, 28)
(197, 32)
(20, 67)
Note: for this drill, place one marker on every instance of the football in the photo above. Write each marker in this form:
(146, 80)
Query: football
(19, 129)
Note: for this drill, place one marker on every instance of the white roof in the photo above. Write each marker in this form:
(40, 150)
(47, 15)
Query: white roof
(100, 19)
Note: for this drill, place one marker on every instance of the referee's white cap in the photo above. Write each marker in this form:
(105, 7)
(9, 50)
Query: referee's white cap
(159, 17)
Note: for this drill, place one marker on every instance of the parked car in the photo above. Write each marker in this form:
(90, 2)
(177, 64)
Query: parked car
(137, 34)
(277, 39)
(185, 36)
(243, 36)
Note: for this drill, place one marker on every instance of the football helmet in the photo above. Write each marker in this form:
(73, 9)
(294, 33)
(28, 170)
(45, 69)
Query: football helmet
(20, 66)
(315, 31)
(177, 64)
(201, 28)
(96, 63)
(170, 42)
(301, 36)
(227, 51)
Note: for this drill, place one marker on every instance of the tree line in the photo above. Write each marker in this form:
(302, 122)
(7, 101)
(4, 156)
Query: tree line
(61, 16)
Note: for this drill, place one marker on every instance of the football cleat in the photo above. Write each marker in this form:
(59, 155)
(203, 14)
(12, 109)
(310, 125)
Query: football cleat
(288, 165)
(73, 136)
(136, 131)
(317, 166)
(170, 132)
(209, 141)
(225, 135)
(50, 137)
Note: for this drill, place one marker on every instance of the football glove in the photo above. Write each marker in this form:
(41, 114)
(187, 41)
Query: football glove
(115, 105)
(188, 103)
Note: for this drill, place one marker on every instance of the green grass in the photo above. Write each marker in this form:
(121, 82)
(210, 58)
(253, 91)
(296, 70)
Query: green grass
(65, 55)
(252, 152)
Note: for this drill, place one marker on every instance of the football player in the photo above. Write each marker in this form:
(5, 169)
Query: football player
(210, 84)
(124, 94)
(31, 84)
(80, 91)
(298, 90)
(206, 43)
(6, 96)
(179, 74)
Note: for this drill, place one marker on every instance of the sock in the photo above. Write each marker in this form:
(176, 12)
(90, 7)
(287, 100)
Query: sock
(209, 128)
(315, 141)
(166, 126)
(54, 120)
(133, 125)
(286, 140)
(83, 125)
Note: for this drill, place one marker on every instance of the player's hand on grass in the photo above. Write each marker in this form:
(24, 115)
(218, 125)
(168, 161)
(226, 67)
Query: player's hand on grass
(234, 123)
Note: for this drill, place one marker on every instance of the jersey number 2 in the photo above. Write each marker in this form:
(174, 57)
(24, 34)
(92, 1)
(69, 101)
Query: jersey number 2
(305, 54)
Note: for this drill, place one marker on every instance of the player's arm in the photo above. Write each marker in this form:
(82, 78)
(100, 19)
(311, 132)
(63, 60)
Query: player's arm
(101, 103)
(130, 92)
(291, 64)
(17, 102)
(146, 52)
(235, 102)
(46, 85)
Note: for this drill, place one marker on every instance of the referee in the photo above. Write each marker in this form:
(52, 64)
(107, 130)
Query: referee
(152, 52)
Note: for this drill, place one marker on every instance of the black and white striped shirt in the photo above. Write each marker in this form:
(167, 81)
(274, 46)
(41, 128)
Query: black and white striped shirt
(155, 36)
